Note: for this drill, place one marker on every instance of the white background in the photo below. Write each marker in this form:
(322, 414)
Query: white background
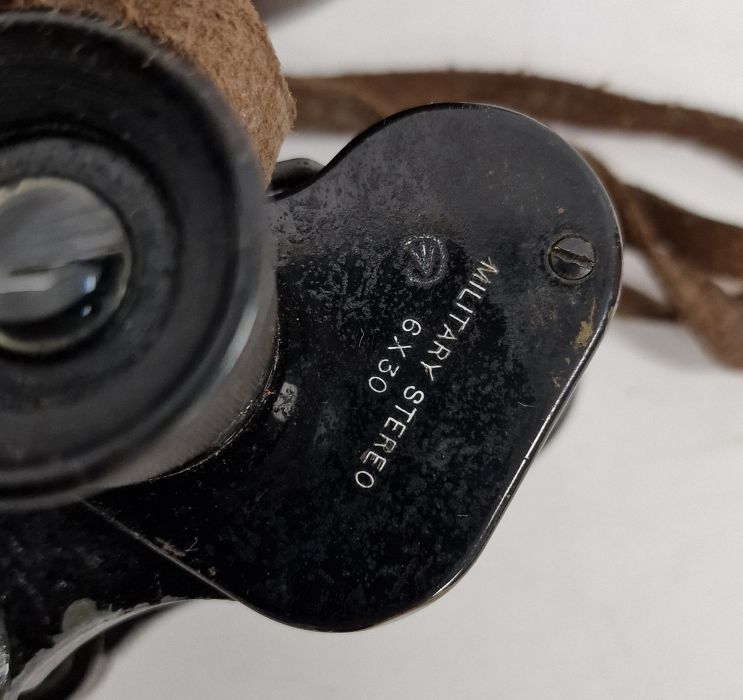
(618, 570)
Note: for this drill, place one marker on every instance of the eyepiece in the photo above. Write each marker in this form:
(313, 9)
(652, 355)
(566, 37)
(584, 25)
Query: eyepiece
(137, 290)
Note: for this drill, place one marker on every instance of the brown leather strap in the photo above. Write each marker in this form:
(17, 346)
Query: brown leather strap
(686, 251)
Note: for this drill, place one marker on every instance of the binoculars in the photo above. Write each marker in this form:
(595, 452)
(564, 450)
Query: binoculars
(316, 400)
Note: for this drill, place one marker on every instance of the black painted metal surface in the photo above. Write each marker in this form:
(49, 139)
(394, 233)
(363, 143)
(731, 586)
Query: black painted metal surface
(426, 347)
(431, 330)
(64, 578)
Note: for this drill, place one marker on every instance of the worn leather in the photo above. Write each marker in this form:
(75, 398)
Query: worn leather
(226, 40)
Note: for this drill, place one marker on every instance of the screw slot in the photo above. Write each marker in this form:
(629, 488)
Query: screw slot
(572, 258)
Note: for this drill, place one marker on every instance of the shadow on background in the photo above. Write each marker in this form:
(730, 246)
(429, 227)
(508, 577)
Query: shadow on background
(270, 9)
(669, 342)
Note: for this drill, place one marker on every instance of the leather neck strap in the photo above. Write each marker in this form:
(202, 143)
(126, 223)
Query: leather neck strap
(688, 253)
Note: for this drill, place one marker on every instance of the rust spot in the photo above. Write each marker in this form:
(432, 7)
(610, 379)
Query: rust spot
(586, 331)
(170, 549)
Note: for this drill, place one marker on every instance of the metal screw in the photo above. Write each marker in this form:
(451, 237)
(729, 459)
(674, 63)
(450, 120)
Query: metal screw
(572, 258)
